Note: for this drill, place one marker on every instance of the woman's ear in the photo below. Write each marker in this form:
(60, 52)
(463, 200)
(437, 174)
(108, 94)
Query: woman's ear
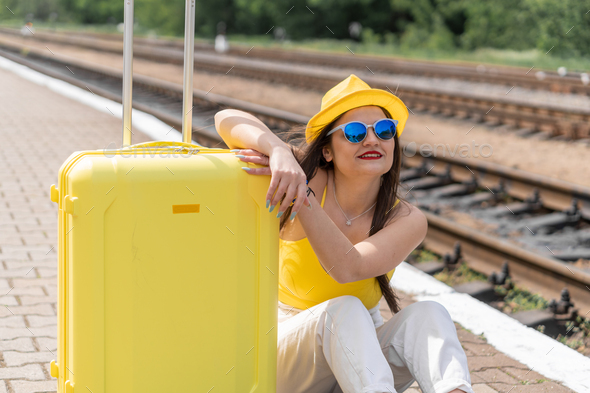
(327, 154)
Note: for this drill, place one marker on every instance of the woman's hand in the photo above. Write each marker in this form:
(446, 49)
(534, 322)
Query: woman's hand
(287, 177)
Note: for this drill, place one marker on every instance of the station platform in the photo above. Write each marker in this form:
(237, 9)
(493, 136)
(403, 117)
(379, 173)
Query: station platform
(39, 129)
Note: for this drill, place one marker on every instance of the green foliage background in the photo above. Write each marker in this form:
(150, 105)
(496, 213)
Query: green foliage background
(429, 24)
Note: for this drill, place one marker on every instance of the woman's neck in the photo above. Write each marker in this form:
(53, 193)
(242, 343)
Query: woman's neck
(356, 195)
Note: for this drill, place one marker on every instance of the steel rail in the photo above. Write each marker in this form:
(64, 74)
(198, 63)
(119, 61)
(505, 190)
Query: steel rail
(495, 74)
(555, 120)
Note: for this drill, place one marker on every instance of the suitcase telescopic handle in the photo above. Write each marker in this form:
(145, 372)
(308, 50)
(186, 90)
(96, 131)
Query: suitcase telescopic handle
(189, 59)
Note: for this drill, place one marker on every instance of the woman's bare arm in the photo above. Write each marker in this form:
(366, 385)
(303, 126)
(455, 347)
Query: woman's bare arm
(241, 130)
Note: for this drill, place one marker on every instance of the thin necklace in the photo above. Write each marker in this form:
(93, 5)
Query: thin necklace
(348, 221)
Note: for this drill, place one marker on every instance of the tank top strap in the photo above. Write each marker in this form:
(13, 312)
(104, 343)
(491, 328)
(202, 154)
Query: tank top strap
(324, 196)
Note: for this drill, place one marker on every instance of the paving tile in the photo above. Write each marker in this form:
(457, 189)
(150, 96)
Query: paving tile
(11, 333)
(37, 241)
(13, 358)
(51, 290)
(32, 300)
(524, 375)
(21, 344)
(544, 387)
(13, 321)
(39, 309)
(41, 321)
(499, 360)
(32, 291)
(4, 286)
(14, 240)
(34, 387)
(481, 349)
(481, 388)
(18, 272)
(494, 375)
(48, 344)
(8, 300)
(26, 282)
(49, 250)
(31, 372)
(47, 263)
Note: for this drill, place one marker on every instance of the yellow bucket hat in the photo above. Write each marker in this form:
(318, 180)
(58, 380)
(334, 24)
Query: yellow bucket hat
(352, 93)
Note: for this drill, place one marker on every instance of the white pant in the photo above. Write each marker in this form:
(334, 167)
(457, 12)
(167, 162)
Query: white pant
(340, 346)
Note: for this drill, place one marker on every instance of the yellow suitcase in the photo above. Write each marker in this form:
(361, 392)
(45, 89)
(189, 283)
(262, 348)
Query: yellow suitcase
(167, 267)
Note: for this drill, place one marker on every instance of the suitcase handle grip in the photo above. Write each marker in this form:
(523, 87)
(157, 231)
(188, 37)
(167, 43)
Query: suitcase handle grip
(189, 60)
(167, 143)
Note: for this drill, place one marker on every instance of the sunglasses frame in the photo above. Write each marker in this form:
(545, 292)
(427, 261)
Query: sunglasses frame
(342, 126)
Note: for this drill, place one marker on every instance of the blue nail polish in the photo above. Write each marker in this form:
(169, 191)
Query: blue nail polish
(267, 203)
(272, 208)
(245, 168)
(235, 150)
(239, 155)
(280, 214)
(292, 215)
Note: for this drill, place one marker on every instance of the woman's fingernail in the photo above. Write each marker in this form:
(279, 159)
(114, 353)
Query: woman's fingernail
(235, 150)
(245, 168)
(280, 214)
(267, 203)
(272, 208)
(239, 155)
(292, 215)
(309, 206)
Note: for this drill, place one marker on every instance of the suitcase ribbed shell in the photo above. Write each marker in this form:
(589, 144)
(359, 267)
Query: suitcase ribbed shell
(167, 275)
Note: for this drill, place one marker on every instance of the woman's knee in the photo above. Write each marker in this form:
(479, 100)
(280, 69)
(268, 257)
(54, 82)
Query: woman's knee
(347, 306)
(427, 310)
(348, 301)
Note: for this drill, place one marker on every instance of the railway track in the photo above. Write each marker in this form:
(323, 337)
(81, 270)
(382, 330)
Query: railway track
(553, 120)
(571, 83)
(454, 182)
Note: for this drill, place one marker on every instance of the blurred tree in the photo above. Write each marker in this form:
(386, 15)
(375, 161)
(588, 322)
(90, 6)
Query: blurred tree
(427, 27)
(253, 17)
(94, 11)
(39, 9)
(563, 27)
(499, 24)
(167, 17)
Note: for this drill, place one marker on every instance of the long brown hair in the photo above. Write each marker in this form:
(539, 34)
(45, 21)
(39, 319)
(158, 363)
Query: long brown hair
(311, 158)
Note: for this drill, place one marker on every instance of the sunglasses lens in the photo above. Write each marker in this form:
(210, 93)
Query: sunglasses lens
(355, 132)
(385, 129)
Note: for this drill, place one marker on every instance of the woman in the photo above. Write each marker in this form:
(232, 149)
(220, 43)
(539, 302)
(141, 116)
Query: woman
(337, 257)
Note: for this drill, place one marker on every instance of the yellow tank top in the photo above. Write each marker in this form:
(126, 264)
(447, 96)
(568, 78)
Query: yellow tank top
(303, 282)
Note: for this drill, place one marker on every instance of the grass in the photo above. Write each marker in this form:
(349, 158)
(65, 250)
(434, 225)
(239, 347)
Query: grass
(423, 255)
(490, 56)
(519, 299)
(515, 299)
(526, 59)
(460, 275)
(453, 277)
(579, 338)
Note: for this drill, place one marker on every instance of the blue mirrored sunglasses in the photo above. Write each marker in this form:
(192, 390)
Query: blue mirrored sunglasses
(356, 131)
